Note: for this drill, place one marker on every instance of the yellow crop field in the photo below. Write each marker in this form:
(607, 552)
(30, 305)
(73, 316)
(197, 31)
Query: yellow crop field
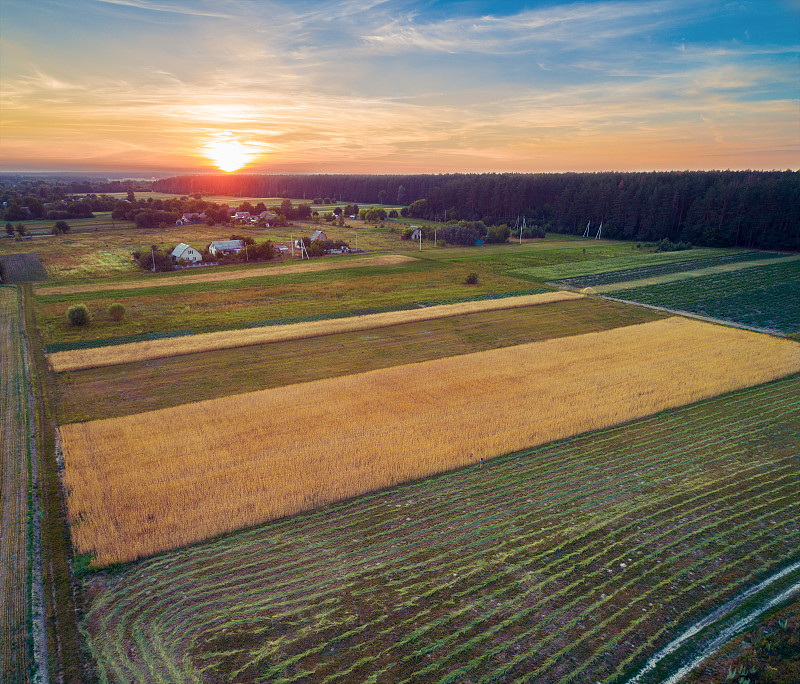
(221, 276)
(145, 483)
(78, 359)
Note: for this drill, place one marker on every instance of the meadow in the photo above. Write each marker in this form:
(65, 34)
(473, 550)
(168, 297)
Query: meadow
(574, 561)
(333, 439)
(78, 359)
(15, 635)
(764, 297)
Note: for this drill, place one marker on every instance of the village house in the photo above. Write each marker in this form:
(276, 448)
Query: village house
(281, 249)
(188, 254)
(417, 234)
(190, 218)
(318, 235)
(223, 247)
(241, 216)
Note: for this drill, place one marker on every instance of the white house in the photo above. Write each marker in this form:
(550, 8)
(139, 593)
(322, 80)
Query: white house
(241, 216)
(219, 247)
(188, 254)
(417, 233)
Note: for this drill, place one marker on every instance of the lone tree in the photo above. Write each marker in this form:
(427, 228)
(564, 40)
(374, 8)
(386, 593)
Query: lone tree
(78, 314)
(20, 229)
(62, 226)
(9, 229)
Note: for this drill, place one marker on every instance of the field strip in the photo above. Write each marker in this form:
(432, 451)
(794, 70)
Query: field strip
(480, 574)
(77, 359)
(686, 275)
(218, 277)
(714, 617)
(15, 570)
(242, 460)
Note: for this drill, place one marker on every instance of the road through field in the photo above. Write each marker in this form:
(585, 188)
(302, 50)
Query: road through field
(14, 634)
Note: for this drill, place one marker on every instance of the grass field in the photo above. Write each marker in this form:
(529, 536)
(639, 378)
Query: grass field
(248, 458)
(623, 257)
(78, 359)
(691, 263)
(122, 390)
(15, 636)
(575, 561)
(764, 297)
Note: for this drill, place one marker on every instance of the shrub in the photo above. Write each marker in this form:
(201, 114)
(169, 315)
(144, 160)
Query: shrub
(78, 314)
(471, 279)
(61, 227)
(116, 311)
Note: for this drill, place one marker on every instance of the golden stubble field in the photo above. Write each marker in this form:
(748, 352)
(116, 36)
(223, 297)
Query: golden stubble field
(149, 482)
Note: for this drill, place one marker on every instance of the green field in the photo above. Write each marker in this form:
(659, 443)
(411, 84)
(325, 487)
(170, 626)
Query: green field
(764, 297)
(21, 268)
(575, 561)
(690, 263)
(16, 660)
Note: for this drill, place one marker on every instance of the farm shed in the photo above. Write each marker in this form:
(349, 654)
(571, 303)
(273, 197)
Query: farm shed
(186, 219)
(187, 253)
(318, 235)
(417, 234)
(226, 247)
(242, 216)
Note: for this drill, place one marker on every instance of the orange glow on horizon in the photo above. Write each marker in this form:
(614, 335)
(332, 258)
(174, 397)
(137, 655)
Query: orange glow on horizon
(228, 154)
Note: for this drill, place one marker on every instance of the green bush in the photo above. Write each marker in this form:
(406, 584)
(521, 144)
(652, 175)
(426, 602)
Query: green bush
(471, 279)
(116, 311)
(78, 314)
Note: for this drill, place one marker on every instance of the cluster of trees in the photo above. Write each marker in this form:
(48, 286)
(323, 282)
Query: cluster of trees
(78, 314)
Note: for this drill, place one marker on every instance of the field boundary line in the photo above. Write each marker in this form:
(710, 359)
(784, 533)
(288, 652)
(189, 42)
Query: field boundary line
(78, 359)
(688, 275)
(288, 269)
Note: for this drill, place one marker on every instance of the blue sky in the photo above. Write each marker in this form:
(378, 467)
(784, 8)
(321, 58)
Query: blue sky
(365, 86)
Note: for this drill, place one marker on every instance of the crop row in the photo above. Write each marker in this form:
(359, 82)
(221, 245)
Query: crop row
(654, 270)
(573, 561)
(21, 268)
(15, 658)
(764, 297)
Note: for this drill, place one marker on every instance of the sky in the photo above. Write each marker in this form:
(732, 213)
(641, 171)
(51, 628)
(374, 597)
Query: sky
(362, 86)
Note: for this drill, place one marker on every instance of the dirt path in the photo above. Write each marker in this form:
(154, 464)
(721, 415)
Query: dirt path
(727, 634)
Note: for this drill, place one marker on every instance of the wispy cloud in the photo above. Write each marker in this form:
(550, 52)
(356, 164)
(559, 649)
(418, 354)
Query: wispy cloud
(170, 7)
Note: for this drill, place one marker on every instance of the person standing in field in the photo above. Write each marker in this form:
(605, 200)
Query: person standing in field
(480, 465)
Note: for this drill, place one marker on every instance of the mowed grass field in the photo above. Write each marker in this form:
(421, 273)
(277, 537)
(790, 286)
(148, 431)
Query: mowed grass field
(246, 459)
(765, 297)
(148, 385)
(15, 636)
(575, 561)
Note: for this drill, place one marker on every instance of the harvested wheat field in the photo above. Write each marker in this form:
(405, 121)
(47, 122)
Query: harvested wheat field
(221, 276)
(98, 357)
(145, 483)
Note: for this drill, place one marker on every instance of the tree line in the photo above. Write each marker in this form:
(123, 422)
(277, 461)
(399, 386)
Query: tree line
(755, 209)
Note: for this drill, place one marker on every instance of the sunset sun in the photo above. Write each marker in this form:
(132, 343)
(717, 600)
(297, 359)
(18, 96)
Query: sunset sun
(228, 154)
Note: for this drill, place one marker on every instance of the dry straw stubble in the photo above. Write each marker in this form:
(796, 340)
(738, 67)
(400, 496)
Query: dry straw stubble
(146, 483)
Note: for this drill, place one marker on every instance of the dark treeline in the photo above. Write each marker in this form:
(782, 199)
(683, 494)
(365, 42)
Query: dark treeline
(714, 208)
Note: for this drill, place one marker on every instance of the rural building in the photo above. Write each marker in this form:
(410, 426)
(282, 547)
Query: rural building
(241, 216)
(222, 247)
(281, 248)
(189, 254)
(318, 235)
(268, 217)
(186, 219)
(417, 234)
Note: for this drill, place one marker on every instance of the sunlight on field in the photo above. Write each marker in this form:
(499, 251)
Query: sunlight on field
(149, 482)
(78, 359)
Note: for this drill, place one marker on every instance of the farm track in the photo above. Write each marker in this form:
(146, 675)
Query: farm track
(15, 636)
(571, 562)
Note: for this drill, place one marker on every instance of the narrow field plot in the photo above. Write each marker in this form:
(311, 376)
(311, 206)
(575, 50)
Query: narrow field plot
(14, 604)
(97, 357)
(21, 268)
(571, 562)
(149, 482)
(217, 276)
(765, 297)
(688, 264)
